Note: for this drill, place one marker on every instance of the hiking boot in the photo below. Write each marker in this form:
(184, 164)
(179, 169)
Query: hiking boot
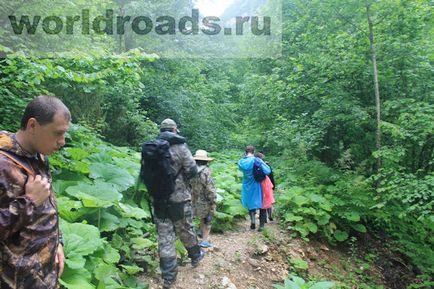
(252, 226)
(205, 244)
(167, 284)
(261, 226)
(270, 218)
(195, 261)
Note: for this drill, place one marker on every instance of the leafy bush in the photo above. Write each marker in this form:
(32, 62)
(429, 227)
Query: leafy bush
(228, 182)
(329, 203)
(299, 283)
(102, 225)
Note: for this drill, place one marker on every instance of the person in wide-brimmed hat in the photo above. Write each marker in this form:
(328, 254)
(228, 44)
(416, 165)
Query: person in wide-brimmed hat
(203, 196)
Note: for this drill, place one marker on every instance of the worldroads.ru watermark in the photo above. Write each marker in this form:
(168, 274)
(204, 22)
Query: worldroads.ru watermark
(169, 29)
(141, 25)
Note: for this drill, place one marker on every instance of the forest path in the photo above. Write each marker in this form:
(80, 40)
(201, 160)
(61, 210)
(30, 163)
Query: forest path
(245, 258)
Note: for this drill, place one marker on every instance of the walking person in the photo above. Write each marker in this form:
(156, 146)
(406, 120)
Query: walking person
(204, 196)
(173, 215)
(251, 193)
(31, 247)
(271, 177)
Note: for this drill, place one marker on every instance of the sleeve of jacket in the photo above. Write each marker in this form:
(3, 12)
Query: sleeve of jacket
(188, 163)
(210, 187)
(15, 212)
(265, 168)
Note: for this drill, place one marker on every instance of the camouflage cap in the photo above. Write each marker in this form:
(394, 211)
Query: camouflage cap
(168, 124)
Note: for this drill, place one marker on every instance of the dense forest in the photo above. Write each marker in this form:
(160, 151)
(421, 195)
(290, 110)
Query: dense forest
(345, 115)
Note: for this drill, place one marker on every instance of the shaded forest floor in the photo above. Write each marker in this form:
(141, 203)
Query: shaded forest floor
(245, 259)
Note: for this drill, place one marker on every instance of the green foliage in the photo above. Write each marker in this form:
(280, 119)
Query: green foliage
(95, 183)
(295, 282)
(329, 203)
(228, 182)
(313, 106)
(102, 93)
(299, 264)
(337, 205)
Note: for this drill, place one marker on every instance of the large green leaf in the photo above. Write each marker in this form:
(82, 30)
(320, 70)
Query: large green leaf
(76, 279)
(100, 157)
(109, 222)
(301, 265)
(80, 239)
(290, 217)
(132, 270)
(141, 243)
(341, 235)
(111, 255)
(75, 261)
(312, 227)
(119, 177)
(323, 219)
(352, 216)
(76, 153)
(99, 195)
(359, 228)
(104, 271)
(69, 209)
(133, 212)
(300, 200)
(60, 185)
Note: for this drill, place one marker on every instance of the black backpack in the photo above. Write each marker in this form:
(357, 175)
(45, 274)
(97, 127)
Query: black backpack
(258, 174)
(156, 171)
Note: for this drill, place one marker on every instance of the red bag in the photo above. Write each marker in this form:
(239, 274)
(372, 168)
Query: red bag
(267, 193)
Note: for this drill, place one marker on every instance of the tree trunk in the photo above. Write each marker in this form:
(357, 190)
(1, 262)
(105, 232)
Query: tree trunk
(376, 88)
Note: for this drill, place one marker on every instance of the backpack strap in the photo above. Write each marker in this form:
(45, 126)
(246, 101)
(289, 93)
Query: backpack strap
(21, 163)
(177, 174)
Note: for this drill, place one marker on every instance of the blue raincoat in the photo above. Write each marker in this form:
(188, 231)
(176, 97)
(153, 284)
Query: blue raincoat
(251, 194)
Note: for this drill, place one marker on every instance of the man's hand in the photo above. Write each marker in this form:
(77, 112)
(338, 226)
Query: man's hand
(37, 189)
(60, 259)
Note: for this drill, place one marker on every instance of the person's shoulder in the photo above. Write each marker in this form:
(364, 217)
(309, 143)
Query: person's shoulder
(207, 170)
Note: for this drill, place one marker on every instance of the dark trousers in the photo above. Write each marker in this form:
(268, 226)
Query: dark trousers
(262, 216)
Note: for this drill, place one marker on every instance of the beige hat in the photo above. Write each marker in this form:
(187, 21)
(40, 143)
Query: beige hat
(202, 155)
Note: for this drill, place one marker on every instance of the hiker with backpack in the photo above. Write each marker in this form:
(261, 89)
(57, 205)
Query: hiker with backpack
(204, 196)
(254, 171)
(166, 167)
(31, 247)
(267, 189)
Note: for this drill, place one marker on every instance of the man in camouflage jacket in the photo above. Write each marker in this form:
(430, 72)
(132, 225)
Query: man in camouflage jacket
(203, 193)
(31, 255)
(176, 219)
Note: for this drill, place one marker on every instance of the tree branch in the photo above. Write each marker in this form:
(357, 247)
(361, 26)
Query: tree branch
(349, 22)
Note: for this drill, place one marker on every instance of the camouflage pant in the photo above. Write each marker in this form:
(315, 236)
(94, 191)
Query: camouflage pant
(167, 231)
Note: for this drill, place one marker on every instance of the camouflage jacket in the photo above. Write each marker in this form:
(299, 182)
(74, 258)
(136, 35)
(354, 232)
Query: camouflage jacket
(183, 164)
(203, 193)
(29, 235)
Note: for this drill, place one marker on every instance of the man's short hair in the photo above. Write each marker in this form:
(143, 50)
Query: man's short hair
(261, 156)
(43, 108)
(250, 149)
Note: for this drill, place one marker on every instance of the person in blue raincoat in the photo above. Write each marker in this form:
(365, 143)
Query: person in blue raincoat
(251, 194)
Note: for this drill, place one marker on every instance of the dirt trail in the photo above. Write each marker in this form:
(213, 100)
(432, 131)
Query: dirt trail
(248, 259)
(240, 259)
